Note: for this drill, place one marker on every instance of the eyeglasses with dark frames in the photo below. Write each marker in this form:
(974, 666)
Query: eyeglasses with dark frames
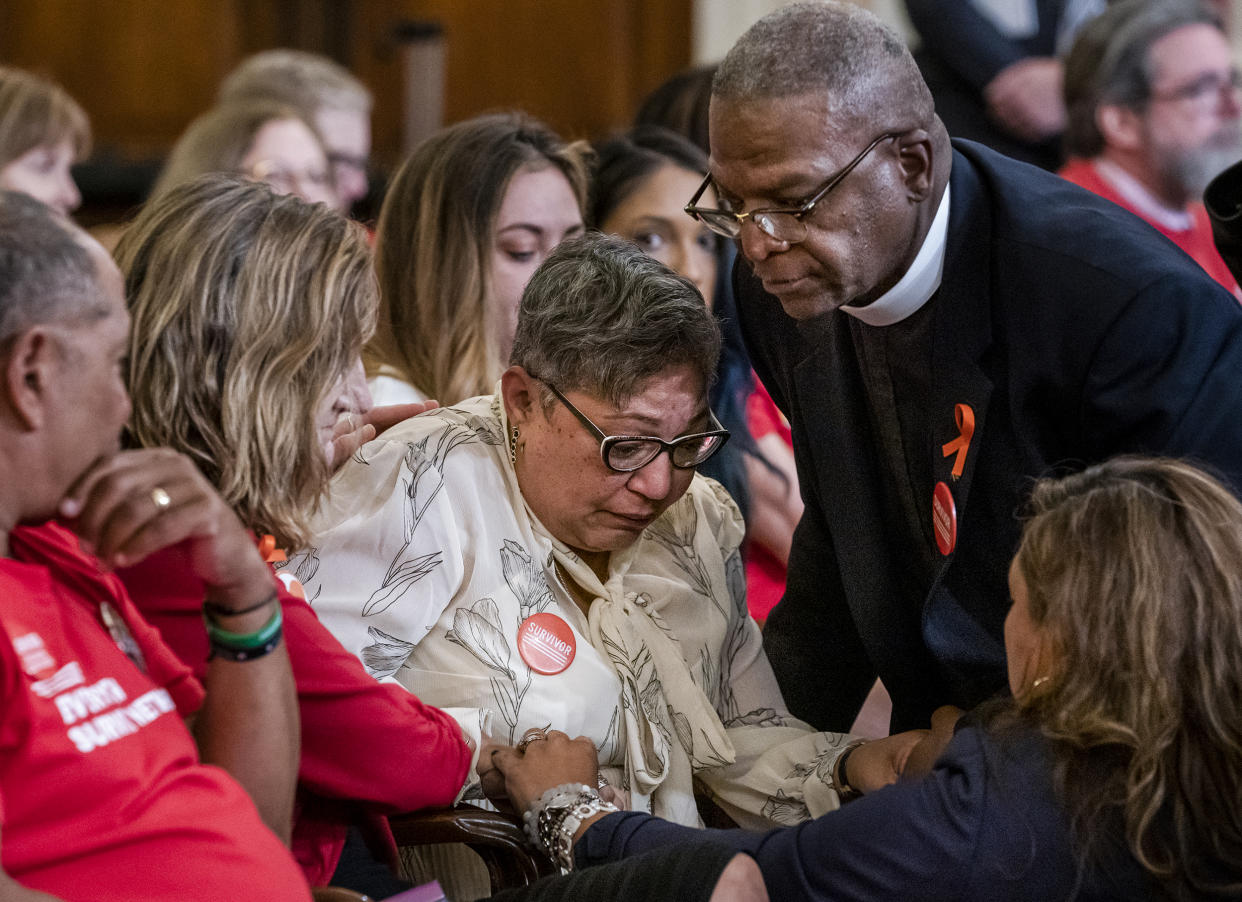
(627, 453)
(1206, 90)
(785, 224)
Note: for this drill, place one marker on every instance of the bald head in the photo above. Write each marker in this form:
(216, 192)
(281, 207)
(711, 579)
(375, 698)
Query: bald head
(837, 50)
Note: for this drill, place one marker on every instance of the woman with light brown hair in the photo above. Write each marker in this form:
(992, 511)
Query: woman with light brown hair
(260, 140)
(249, 311)
(1113, 772)
(42, 132)
(467, 220)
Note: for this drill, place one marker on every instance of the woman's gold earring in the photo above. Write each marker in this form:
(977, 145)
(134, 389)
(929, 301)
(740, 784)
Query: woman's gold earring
(513, 437)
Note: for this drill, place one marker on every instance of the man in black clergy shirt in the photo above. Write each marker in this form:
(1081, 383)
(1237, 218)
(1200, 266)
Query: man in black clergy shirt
(941, 325)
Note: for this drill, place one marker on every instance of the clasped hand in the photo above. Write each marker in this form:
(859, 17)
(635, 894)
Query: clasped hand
(517, 778)
(133, 503)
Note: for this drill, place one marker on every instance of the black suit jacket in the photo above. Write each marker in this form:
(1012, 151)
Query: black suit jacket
(960, 51)
(1075, 332)
(1223, 200)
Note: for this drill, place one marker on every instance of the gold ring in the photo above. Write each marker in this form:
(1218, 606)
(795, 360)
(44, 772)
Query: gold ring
(161, 499)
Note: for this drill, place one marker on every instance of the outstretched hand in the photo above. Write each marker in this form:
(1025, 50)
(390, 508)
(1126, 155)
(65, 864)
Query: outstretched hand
(878, 763)
(355, 430)
(920, 760)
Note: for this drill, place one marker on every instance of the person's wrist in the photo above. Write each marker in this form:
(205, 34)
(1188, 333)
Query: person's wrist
(242, 612)
(586, 825)
(246, 582)
(846, 791)
(225, 641)
(556, 820)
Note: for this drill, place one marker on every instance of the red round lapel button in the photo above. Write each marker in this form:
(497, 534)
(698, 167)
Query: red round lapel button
(546, 643)
(944, 518)
(292, 585)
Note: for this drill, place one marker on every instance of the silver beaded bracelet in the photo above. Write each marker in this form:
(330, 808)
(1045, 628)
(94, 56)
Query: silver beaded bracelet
(552, 821)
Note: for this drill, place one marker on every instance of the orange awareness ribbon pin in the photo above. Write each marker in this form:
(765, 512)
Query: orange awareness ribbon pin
(966, 428)
(273, 555)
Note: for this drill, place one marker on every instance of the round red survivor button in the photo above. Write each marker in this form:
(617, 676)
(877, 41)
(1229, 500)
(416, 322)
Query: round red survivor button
(546, 643)
(944, 518)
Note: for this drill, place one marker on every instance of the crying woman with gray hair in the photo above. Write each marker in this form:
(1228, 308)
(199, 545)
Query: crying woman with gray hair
(545, 558)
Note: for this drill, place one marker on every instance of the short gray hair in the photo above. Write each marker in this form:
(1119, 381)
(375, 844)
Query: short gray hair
(837, 49)
(1109, 64)
(600, 316)
(305, 81)
(46, 272)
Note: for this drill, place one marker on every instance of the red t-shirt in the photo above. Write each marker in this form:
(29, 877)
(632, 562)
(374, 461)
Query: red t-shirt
(368, 748)
(765, 574)
(102, 796)
(1195, 241)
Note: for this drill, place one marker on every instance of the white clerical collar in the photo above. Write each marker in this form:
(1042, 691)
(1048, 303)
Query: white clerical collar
(1140, 200)
(920, 282)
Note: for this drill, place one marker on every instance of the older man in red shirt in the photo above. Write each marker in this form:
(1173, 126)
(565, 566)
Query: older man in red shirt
(1154, 113)
(103, 793)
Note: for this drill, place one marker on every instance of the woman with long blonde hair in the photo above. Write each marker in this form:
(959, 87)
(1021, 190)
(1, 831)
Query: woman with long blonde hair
(249, 311)
(467, 220)
(42, 132)
(249, 314)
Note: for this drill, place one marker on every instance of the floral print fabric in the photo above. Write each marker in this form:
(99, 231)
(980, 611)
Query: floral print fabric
(427, 560)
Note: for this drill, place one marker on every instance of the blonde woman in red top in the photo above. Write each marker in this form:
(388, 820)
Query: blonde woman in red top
(249, 311)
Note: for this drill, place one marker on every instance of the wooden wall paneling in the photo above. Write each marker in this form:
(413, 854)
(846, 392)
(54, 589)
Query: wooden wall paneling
(580, 66)
(144, 68)
(141, 68)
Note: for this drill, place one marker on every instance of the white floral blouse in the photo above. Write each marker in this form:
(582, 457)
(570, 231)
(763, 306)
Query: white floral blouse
(426, 561)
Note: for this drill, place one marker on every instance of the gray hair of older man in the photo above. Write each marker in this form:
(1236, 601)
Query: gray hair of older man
(1109, 64)
(600, 316)
(46, 271)
(836, 49)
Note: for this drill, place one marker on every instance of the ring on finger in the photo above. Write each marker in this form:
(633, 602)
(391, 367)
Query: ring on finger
(534, 734)
(161, 499)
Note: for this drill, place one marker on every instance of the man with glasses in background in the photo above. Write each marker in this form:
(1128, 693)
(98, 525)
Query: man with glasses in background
(1155, 112)
(941, 325)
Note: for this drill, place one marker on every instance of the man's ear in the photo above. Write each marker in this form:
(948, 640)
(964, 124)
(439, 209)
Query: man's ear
(520, 395)
(28, 371)
(916, 155)
(1121, 126)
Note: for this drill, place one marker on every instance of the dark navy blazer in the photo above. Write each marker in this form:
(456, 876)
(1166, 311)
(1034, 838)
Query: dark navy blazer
(1075, 332)
(984, 826)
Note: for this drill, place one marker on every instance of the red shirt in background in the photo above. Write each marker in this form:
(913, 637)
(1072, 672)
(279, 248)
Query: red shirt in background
(1195, 241)
(765, 574)
(368, 748)
(102, 796)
